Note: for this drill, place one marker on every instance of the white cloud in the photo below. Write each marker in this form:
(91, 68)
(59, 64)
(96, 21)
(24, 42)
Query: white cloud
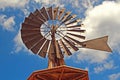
(18, 43)
(74, 3)
(51, 2)
(102, 20)
(106, 66)
(13, 3)
(7, 23)
(114, 76)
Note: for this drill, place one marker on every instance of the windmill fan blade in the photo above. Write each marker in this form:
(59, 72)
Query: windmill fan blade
(76, 41)
(80, 25)
(32, 42)
(50, 12)
(39, 15)
(37, 45)
(98, 44)
(65, 16)
(60, 13)
(58, 50)
(76, 30)
(27, 32)
(26, 26)
(29, 37)
(35, 18)
(67, 51)
(43, 51)
(70, 44)
(70, 17)
(30, 21)
(74, 21)
(79, 36)
(55, 12)
(44, 13)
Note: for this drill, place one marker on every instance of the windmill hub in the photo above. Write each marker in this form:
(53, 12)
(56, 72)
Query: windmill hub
(56, 26)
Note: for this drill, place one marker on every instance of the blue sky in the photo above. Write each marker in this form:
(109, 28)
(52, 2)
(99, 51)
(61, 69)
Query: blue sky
(100, 17)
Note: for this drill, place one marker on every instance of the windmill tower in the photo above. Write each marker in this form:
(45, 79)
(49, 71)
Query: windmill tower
(53, 32)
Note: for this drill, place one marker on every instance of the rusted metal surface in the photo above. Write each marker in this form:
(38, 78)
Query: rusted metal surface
(36, 46)
(32, 22)
(44, 13)
(39, 15)
(29, 26)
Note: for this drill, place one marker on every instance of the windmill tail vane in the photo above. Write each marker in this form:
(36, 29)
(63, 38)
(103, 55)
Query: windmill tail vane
(55, 32)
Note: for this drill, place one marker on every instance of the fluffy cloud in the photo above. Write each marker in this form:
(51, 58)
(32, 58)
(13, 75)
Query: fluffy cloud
(48, 2)
(114, 76)
(79, 4)
(106, 66)
(13, 3)
(18, 43)
(102, 20)
(7, 23)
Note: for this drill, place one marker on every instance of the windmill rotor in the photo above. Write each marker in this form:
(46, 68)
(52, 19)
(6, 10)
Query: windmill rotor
(53, 32)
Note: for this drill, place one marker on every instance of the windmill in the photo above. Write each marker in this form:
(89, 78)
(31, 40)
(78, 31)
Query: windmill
(55, 32)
